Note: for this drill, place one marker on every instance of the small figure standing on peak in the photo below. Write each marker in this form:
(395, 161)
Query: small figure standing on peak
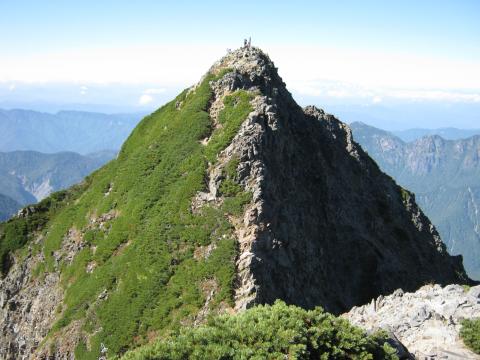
(245, 44)
(249, 42)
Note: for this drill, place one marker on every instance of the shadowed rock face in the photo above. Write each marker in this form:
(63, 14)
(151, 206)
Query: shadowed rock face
(445, 177)
(330, 228)
(339, 223)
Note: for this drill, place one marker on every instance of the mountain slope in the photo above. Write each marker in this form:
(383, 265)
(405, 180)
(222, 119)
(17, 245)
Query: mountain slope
(75, 131)
(444, 175)
(8, 207)
(229, 196)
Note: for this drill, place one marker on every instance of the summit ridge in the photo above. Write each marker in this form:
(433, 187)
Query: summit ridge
(229, 196)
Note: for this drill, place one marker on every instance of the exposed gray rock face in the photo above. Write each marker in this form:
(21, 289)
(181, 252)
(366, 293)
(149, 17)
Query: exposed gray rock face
(325, 226)
(427, 322)
(30, 303)
(27, 307)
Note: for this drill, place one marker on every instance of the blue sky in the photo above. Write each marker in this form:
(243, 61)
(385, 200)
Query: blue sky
(141, 52)
(444, 28)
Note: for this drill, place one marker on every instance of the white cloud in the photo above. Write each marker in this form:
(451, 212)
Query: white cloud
(145, 99)
(183, 65)
(307, 70)
(12, 87)
(154, 91)
(435, 95)
(345, 90)
(170, 65)
(375, 69)
(339, 93)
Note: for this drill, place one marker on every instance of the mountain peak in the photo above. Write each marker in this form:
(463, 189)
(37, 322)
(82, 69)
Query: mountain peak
(250, 69)
(229, 196)
(246, 60)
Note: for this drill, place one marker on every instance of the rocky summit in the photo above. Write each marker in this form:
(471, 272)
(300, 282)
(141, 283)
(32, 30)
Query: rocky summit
(229, 196)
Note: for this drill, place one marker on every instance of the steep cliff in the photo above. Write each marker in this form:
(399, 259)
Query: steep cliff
(229, 196)
(445, 177)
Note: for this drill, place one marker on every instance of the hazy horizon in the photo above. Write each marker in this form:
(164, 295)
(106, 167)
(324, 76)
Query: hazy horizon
(402, 65)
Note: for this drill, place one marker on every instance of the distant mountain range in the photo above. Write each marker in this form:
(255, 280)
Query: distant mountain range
(76, 131)
(41, 152)
(444, 175)
(29, 176)
(446, 133)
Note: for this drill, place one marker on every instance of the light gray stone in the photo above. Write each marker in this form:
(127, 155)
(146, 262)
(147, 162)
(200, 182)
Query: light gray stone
(434, 329)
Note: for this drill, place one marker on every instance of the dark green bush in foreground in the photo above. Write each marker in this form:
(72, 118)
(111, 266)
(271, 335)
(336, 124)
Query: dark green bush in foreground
(269, 332)
(470, 333)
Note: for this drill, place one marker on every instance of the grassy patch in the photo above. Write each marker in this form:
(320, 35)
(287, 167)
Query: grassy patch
(16, 232)
(235, 198)
(470, 334)
(237, 107)
(231, 168)
(405, 194)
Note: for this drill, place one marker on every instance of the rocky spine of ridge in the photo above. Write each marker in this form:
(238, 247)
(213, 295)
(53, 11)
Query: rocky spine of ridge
(324, 227)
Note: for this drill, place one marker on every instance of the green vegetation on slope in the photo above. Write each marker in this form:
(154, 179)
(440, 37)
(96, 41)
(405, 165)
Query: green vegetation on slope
(146, 276)
(470, 334)
(18, 231)
(237, 106)
(269, 332)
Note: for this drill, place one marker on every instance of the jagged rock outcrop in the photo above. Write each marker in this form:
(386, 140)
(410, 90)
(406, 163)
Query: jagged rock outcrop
(27, 306)
(326, 226)
(323, 225)
(30, 303)
(427, 321)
